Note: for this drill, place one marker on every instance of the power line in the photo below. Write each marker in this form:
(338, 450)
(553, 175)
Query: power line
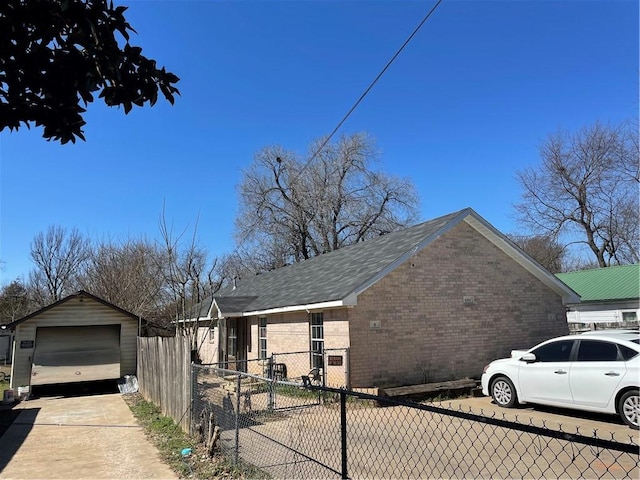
(355, 105)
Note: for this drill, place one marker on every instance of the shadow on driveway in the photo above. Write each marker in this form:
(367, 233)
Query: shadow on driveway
(15, 425)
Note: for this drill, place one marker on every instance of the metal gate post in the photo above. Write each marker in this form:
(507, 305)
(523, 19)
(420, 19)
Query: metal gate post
(343, 431)
(194, 384)
(271, 361)
(347, 369)
(237, 419)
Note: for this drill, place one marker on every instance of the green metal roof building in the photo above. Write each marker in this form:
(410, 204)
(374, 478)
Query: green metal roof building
(609, 295)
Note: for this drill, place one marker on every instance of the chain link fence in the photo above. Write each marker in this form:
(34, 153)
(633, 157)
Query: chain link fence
(293, 428)
(327, 367)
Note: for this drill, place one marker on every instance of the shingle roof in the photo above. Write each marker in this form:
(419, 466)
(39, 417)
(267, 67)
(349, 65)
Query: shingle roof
(233, 304)
(342, 274)
(620, 282)
(334, 275)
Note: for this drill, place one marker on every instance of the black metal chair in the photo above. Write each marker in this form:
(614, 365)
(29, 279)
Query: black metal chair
(279, 371)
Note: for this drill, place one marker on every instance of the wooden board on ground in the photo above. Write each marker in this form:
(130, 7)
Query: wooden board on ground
(428, 388)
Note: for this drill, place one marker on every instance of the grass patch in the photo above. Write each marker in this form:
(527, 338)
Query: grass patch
(171, 440)
(295, 392)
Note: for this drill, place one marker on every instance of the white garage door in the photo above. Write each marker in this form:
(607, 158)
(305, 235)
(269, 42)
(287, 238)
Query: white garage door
(76, 354)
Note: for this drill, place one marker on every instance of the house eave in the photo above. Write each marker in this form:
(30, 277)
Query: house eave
(614, 303)
(349, 301)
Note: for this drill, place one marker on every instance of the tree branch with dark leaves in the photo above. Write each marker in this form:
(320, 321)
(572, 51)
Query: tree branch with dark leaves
(56, 54)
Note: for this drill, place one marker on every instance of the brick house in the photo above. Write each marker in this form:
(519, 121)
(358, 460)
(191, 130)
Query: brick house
(435, 301)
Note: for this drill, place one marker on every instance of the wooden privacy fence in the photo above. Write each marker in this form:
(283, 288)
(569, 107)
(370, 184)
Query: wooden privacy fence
(164, 375)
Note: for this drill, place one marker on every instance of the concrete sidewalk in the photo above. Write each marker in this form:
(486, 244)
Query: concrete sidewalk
(78, 437)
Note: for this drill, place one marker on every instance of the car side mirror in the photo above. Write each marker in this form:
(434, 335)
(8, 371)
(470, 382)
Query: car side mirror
(529, 358)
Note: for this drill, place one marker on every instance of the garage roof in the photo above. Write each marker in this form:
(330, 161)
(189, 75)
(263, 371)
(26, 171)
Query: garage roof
(78, 294)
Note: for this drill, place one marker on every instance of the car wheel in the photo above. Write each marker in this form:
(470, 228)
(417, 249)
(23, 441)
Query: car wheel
(629, 408)
(503, 392)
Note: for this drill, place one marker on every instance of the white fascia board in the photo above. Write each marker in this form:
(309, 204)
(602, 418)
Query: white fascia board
(349, 301)
(192, 320)
(522, 258)
(188, 320)
(214, 308)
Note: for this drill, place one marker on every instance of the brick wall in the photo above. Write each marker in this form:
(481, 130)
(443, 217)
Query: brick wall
(427, 332)
(287, 333)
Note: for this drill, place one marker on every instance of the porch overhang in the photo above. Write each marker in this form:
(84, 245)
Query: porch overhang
(349, 301)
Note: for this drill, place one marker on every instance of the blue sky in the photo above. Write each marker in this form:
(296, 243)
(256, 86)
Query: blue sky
(465, 105)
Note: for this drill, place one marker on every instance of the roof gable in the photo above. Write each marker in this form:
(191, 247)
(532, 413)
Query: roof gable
(79, 294)
(621, 282)
(337, 278)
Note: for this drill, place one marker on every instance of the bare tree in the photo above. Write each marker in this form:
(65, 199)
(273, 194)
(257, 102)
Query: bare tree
(545, 250)
(294, 208)
(585, 191)
(189, 277)
(59, 256)
(128, 274)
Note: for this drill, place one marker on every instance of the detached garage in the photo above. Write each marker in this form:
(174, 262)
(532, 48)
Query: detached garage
(80, 338)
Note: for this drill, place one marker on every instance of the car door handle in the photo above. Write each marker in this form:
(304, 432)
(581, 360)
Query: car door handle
(612, 374)
(560, 372)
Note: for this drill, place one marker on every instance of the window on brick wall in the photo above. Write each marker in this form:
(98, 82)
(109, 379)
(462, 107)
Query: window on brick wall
(262, 337)
(317, 340)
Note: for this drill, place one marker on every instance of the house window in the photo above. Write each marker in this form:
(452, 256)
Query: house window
(232, 340)
(262, 336)
(317, 340)
(629, 316)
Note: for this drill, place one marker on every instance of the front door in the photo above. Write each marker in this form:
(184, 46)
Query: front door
(237, 341)
(547, 380)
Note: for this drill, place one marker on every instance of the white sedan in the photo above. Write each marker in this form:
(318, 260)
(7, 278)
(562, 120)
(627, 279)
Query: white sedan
(595, 371)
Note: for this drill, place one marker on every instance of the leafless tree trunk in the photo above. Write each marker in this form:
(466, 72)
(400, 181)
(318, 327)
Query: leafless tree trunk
(60, 256)
(189, 277)
(293, 209)
(586, 191)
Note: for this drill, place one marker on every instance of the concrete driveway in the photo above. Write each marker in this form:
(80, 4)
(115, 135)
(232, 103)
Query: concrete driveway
(78, 437)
